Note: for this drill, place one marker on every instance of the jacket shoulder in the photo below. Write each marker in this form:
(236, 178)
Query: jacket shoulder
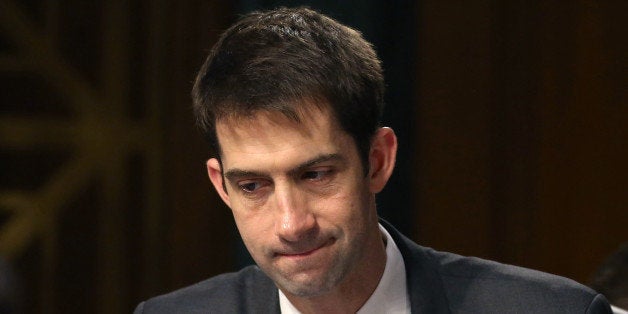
(440, 282)
(246, 291)
(472, 282)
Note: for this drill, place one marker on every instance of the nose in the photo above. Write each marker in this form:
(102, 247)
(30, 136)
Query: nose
(294, 221)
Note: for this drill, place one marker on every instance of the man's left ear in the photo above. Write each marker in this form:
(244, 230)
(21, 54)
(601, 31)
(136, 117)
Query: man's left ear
(382, 158)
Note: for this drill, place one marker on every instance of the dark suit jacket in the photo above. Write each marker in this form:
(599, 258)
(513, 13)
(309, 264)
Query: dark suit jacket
(438, 282)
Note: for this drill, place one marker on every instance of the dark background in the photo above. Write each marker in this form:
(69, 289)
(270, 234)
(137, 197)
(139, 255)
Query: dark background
(510, 116)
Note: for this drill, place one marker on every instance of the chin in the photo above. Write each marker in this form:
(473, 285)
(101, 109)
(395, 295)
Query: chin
(306, 289)
(306, 286)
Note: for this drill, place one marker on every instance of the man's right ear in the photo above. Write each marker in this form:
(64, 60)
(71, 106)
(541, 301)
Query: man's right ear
(215, 175)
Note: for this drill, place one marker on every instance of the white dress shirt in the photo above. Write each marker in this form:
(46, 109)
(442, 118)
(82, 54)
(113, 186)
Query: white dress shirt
(618, 310)
(391, 294)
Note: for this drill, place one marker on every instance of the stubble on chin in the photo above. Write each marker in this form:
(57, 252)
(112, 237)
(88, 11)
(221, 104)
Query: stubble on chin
(306, 287)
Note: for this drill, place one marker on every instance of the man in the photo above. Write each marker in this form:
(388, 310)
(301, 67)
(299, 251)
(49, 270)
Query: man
(291, 101)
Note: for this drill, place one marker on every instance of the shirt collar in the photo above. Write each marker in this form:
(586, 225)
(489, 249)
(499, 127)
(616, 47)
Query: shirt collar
(391, 293)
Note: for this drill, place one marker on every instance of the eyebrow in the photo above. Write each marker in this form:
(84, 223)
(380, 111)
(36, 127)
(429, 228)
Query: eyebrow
(236, 173)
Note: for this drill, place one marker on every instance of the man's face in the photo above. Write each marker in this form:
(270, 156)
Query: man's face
(300, 199)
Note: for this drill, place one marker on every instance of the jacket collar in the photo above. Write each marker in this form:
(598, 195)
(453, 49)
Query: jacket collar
(425, 288)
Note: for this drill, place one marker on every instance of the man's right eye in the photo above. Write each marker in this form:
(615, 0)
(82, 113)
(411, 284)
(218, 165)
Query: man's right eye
(250, 186)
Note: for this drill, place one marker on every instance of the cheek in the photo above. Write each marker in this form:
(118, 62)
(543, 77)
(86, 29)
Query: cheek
(344, 207)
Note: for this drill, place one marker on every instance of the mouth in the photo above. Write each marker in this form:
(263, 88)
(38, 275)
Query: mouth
(305, 253)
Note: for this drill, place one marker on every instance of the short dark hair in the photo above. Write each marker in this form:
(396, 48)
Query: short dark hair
(275, 60)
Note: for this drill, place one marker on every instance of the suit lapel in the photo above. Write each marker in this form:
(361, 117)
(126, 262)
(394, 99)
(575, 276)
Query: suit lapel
(260, 294)
(425, 288)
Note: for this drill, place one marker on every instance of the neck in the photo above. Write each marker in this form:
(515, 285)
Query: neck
(353, 292)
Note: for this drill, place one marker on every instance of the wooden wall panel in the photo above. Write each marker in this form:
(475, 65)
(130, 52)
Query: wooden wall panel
(202, 236)
(583, 173)
(453, 126)
(103, 193)
(522, 138)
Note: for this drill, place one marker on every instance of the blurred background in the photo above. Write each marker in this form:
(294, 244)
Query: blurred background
(511, 117)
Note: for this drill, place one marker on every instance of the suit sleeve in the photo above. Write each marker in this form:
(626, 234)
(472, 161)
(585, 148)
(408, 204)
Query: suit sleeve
(599, 305)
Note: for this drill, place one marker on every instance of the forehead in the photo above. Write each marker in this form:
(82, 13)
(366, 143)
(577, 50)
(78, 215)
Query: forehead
(267, 127)
(304, 116)
(273, 139)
